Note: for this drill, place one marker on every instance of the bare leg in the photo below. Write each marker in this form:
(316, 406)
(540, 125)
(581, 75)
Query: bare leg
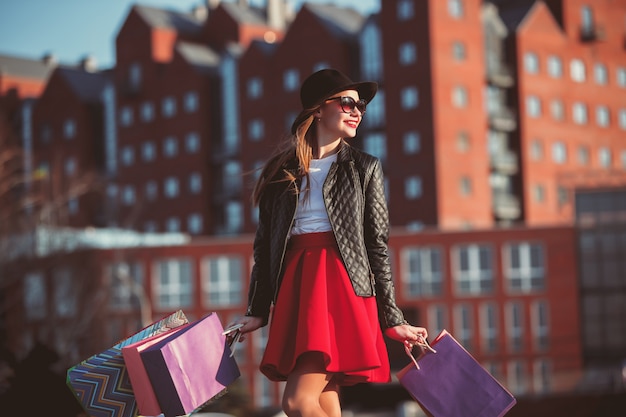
(304, 387)
(329, 400)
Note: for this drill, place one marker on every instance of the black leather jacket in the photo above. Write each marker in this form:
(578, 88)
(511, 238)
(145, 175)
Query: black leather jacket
(355, 201)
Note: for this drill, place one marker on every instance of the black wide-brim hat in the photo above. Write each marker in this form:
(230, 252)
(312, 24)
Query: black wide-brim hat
(323, 84)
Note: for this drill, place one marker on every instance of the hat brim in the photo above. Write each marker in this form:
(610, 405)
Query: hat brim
(366, 89)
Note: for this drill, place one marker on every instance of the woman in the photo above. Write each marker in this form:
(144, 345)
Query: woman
(321, 255)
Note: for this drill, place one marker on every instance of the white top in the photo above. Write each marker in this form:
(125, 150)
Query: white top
(311, 216)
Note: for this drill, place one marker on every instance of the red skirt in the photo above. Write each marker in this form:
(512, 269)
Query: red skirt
(317, 310)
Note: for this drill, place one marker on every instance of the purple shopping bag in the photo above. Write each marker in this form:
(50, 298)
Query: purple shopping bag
(190, 367)
(451, 383)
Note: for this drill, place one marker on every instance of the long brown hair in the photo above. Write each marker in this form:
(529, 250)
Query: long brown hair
(301, 145)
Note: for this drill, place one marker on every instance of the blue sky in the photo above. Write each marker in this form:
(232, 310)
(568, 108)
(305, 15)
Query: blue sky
(72, 29)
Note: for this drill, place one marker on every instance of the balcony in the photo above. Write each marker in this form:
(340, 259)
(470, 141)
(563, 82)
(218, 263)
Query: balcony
(506, 207)
(500, 75)
(505, 163)
(502, 119)
(592, 33)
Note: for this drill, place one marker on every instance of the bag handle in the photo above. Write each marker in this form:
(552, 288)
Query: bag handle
(423, 345)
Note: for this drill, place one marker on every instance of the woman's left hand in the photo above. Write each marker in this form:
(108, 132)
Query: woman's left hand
(407, 334)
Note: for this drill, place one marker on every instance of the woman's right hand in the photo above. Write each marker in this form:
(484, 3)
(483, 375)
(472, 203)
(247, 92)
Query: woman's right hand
(250, 324)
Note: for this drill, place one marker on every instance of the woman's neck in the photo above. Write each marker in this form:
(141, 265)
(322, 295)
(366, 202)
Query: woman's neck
(327, 148)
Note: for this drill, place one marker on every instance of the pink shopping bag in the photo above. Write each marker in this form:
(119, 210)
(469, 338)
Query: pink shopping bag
(451, 383)
(190, 367)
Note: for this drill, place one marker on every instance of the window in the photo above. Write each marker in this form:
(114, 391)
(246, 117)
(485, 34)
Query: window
(604, 157)
(437, 318)
(125, 284)
(557, 110)
(168, 107)
(539, 193)
(195, 183)
(134, 76)
(376, 144)
(370, 45)
(621, 76)
(413, 188)
(65, 297)
(171, 187)
(170, 147)
(463, 143)
(583, 155)
(409, 98)
(128, 195)
(524, 267)
(536, 150)
(579, 113)
(531, 63)
(465, 186)
(222, 281)
(488, 315)
(586, 14)
(600, 73)
(151, 190)
(256, 129)
(255, 88)
(172, 225)
(192, 142)
(72, 205)
(191, 102)
(194, 224)
(232, 177)
(542, 380)
(473, 269)
(533, 106)
(234, 216)
(555, 66)
(458, 51)
(173, 283)
(577, 70)
(375, 116)
(459, 96)
(540, 325)
(407, 53)
(464, 325)
(455, 8)
(516, 377)
(622, 157)
(405, 10)
(621, 116)
(423, 275)
(602, 116)
(514, 326)
(69, 129)
(150, 227)
(291, 80)
(411, 143)
(70, 166)
(147, 111)
(559, 152)
(35, 306)
(128, 155)
(148, 151)
(126, 116)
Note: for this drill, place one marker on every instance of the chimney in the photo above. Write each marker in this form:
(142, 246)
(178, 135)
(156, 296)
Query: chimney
(212, 4)
(276, 14)
(200, 12)
(49, 59)
(88, 63)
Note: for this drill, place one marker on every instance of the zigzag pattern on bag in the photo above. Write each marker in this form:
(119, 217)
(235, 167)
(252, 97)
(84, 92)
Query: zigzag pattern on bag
(108, 392)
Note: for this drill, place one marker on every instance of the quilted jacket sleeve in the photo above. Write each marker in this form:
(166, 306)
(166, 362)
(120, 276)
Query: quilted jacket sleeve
(260, 291)
(376, 233)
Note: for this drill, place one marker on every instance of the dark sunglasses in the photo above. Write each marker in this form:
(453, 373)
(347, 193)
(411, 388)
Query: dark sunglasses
(348, 104)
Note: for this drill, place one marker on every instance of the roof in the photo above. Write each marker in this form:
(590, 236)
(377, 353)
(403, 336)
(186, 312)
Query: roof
(343, 22)
(245, 14)
(164, 18)
(24, 67)
(200, 56)
(86, 85)
(513, 12)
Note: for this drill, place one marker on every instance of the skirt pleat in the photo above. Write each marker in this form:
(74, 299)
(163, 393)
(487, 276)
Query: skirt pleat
(317, 310)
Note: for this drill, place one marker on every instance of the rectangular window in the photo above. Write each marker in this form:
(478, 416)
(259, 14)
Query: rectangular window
(533, 106)
(255, 88)
(579, 113)
(148, 151)
(413, 188)
(473, 271)
(464, 325)
(376, 144)
(126, 284)
(459, 96)
(515, 326)
(222, 281)
(407, 53)
(422, 271)
(455, 8)
(577, 70)
(540, 325)
(524, 267)
(411, 143)
(409, 98)
(621, 76)
(559, 152)
(147, 111)
(602, 116)
(531, 62)
(405, 10)
(437, 318)
(459, 52)
(600, 74)
(191, 102)
(168, 107)
(69, 129)
(291, 80)
(172, 283)
(555, 66)
(489, 327)
(35, 298)
(542, 376)
(516, 377)
(65, 295)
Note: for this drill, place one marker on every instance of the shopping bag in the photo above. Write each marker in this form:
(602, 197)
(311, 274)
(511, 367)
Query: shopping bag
(451, 383)
(190, 367)
(147, 402)
(101, 383)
